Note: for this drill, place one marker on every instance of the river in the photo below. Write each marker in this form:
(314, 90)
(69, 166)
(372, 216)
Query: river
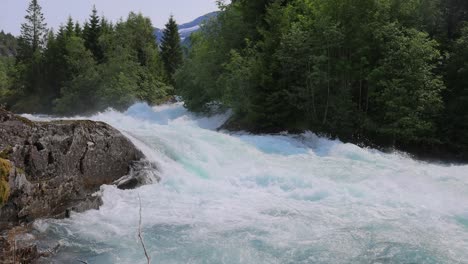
(242, 198)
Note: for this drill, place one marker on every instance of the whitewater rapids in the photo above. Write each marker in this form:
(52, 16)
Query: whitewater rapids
(241, 198)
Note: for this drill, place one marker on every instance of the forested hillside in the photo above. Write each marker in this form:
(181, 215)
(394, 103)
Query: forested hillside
(389, 72)
(8, 45)
(82, 68)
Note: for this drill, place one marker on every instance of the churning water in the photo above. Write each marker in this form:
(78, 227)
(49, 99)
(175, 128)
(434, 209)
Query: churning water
(240, 198)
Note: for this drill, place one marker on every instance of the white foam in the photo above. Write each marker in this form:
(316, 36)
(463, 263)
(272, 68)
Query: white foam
(240, 198)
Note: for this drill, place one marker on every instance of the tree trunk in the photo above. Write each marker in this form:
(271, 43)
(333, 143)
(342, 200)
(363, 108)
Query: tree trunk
(328, 87)
(311, 94)
(360, 89)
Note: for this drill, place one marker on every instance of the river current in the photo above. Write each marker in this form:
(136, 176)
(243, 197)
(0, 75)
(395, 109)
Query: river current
(242, 198)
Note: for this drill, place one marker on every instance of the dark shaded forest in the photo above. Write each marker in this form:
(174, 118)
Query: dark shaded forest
(390, 73)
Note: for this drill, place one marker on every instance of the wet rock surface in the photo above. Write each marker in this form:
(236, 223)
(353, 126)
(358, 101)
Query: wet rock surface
(141, 173)
(56, 167)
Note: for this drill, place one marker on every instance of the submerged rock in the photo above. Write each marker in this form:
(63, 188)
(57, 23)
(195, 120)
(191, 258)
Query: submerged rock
(141, 173)
(55, 167)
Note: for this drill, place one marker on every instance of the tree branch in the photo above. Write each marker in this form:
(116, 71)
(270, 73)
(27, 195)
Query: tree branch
(140, 235)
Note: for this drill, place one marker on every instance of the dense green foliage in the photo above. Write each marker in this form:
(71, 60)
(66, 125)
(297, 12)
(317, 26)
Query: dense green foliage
(454, 126)
(8, 49)
(83, 69)
(389, 71)
(6, 66)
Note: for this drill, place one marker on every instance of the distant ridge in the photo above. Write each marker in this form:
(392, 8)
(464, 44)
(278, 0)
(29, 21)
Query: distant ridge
(185, 30)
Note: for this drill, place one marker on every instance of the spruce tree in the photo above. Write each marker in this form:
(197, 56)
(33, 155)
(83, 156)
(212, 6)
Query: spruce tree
(78, 30)
(33, 32)
(171, 50)
(29, 65)
(91, 34)
(70, 28)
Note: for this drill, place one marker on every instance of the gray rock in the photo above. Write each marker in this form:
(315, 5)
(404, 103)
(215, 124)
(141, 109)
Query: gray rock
(141, 173)
(57, 166)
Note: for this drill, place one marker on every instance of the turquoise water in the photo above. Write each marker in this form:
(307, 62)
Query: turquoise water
(240, 198)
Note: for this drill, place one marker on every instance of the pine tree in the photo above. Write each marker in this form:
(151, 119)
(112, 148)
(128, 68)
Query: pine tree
(78, 30)
(70, 28)
(30, 71)
(106, 26)
(33, 32)
(91, 34)
(171, 51)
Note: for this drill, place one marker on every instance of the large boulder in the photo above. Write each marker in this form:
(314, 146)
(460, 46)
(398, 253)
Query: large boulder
(53, 167)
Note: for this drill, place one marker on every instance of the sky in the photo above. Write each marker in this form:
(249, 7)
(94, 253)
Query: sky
(57, 11)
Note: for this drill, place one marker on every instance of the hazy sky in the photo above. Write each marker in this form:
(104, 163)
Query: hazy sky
(57, 11)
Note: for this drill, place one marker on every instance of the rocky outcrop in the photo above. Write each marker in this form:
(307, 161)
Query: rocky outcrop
(18, 245)
(53, 167)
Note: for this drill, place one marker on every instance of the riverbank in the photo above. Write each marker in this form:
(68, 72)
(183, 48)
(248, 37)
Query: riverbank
(435, 152)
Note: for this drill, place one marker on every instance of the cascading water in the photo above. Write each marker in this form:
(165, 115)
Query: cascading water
(240, 198)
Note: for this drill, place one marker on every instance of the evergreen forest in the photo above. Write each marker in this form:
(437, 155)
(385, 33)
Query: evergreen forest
(387, 73)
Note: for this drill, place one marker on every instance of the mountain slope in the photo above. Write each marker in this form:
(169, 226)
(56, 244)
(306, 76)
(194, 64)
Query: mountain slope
(185, 30)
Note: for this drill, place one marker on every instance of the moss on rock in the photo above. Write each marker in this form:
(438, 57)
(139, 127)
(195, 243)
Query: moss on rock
(25, 120)
(6, 152)
(5, 168)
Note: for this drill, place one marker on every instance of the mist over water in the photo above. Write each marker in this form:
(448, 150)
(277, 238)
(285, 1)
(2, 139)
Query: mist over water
(241, 198)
